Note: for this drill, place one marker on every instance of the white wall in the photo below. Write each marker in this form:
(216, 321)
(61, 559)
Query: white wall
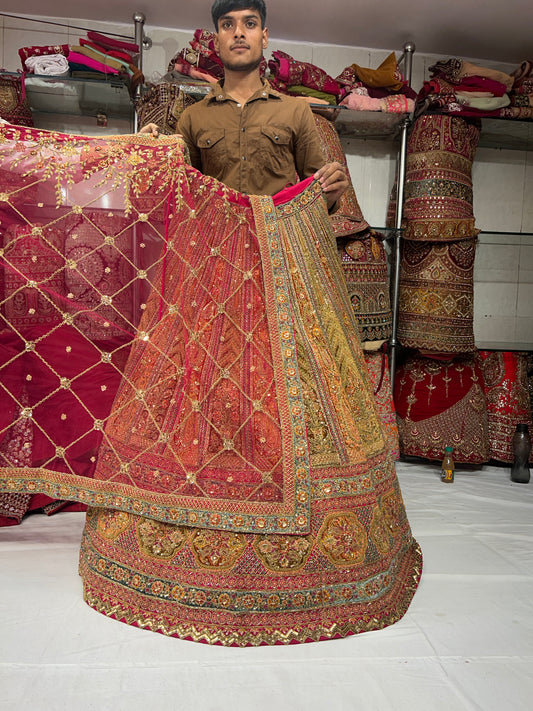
(503, 179)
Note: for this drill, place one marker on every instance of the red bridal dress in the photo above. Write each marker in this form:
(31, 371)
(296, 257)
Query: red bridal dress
(184, 360)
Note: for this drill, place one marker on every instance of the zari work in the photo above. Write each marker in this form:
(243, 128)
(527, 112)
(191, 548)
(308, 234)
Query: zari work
(436, 308)
(507, 396)
(378, 370)
(241, 487)
(438, 179)
(440, 404)
(364, 264)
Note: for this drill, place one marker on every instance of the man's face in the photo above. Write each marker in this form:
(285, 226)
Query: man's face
(240, 41)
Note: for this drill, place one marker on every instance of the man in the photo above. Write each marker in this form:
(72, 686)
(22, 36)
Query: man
(244, 133)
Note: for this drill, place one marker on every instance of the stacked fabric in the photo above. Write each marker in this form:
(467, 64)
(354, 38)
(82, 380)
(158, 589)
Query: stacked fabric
(100, 56)
(462, 88)
(46, 60)
(199, 60)
(358, 88)
(381, 89)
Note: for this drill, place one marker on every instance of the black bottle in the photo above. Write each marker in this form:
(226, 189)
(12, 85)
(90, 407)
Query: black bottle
(521, 450)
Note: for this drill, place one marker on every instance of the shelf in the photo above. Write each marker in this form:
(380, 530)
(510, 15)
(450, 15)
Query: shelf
(505, 133)
(512, 134)
(362, 124)
(507, 346)
(78, 97)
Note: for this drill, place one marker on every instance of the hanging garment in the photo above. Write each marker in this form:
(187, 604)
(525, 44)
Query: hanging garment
(507, 394)
(441, 404)
(240, 486)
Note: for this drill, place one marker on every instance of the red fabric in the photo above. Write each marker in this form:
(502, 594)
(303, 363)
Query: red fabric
(286, 71)
(439, 404)
(124, 56)
(112, 42)
(36, 51)
(508, 404)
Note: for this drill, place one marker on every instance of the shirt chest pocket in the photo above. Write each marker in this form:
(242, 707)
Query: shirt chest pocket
(273, 150)
(213, 148)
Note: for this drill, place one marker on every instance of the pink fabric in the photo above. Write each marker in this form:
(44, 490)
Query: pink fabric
(359, 102)
(78, 58)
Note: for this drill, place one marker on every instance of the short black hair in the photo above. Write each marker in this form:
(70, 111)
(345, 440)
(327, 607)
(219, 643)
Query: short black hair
(222, 7)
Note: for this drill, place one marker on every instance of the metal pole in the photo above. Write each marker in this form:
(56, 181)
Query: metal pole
(409, 49)
(138, 19)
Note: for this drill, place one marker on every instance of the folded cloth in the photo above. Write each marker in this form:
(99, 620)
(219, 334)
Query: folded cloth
(394, 103)
(117, 64)
(188, 69)
(360, 102)
(38, 51)
(111, 42)
(387, 75)
(55, 65)
(455, 70)
(475, 83)
(482, 103)
(115, 53)
(78, 58)
(286, 71)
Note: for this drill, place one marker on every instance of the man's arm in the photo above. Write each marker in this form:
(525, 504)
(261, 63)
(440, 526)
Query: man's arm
(309, 159)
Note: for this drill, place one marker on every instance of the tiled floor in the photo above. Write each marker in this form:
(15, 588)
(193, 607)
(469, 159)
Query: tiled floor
(465, 643)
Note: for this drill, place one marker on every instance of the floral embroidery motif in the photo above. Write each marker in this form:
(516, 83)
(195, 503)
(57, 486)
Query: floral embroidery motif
(283, 553)
(159, 540)
(343, 539)
(111, 524)
(217, 550)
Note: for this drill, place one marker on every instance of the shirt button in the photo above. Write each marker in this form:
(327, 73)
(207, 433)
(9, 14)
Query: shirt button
(239, 106)
(276, 138)
(208, 141)
(242, 129)
(244, 158)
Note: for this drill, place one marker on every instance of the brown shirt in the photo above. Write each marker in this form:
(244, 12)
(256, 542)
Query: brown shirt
(258, 148)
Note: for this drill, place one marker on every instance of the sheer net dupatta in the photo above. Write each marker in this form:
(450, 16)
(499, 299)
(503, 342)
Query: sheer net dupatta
(83, 224)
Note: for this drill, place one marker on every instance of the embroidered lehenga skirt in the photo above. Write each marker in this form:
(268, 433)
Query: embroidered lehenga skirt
(240, 486)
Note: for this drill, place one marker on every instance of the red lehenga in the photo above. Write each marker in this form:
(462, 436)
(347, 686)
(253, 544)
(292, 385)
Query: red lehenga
(240, 487)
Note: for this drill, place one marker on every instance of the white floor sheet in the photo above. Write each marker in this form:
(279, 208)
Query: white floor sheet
(466, 642)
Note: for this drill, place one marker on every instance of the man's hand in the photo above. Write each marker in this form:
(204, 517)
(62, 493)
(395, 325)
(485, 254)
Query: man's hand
(151, 129)
(334, 181)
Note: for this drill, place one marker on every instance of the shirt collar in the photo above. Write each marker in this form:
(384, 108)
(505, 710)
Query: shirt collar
(218, 93)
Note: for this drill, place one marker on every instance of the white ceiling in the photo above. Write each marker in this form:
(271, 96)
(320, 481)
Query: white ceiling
(499, 30)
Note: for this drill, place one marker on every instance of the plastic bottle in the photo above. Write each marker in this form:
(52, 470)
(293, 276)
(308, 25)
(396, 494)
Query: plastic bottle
(521, 451)
(448, 466)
